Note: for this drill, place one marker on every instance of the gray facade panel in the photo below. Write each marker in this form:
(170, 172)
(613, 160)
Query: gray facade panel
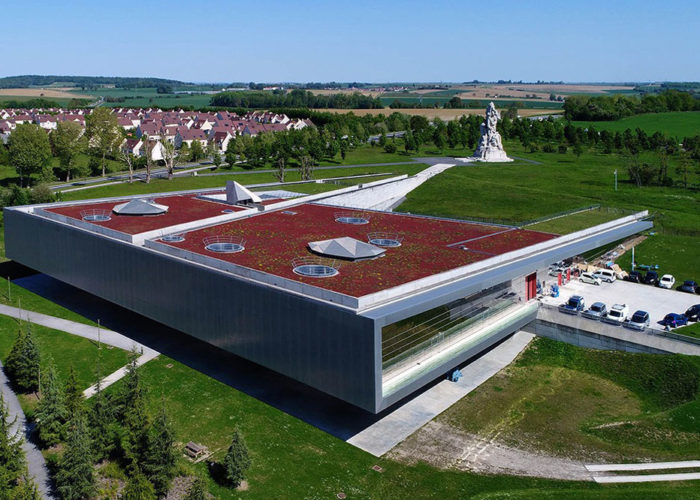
(328, 348)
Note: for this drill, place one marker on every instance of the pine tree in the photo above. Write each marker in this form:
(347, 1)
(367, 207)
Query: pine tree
(197, 490)
(51, 414)
(159, 465)
(133, 415)
(12, 463)
(27, 490)
(22, 364)
(101, 417)
(138, 488)
(74, 396)
(75, 479)
(237, 460)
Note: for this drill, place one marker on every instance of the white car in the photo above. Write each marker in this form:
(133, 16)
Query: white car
(605, 275)
(589, 278)
(617, 314)
(667, 281)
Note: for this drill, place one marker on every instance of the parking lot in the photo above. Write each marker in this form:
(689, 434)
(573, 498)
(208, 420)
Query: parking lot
(658, 302)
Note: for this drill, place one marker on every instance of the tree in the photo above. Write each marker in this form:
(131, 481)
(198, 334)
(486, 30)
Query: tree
(197, 490)
(101, 417)
(133, 414)
(343, 148)
(159, 465)
(68, 141)
(22, 364)
(196, 151)
(683, 167)
(382, 139)
(129, 160)
(26, 490)
(12, 462)
(216, 159)
(305, 168)
(236, 461)
(171, 156)
(578, 150)
(75, 479)
(73, 394)
(102, 130)
(148, 147)
(138, 488)
(29, 150)
(51, 413)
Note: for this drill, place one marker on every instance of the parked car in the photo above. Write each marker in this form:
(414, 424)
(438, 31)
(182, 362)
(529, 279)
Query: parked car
(554, 271)
(667, 281)
(638, 321)
(634, 277)
(617, 314)
(589, 278)
(605, 275)
(596, 311)
(693, 313)
(651, 278)
(689, 286)
(674, 320)
(574, 305)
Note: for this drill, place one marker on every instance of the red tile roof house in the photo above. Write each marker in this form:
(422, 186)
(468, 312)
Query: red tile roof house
(5, 131)
(220, 138)
(185, 135)
(150, 129)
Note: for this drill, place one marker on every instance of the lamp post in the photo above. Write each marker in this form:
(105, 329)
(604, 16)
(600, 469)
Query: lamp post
(615, 179)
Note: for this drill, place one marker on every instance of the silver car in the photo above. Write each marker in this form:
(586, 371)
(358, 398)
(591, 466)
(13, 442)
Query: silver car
(596, 311)
(638, 321)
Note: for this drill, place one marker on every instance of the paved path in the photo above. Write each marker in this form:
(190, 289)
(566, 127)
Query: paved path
(86, 331)
(35, 460)
(119, 374)
(386, 433)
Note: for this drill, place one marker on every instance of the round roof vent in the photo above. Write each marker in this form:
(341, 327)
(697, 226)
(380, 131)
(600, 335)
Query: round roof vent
(355, 218)
(95, 215)
(386, 240)
(315, 267)
(173, 238)
(224, 244)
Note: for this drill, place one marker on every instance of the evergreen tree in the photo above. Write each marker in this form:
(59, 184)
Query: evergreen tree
(138, 488)
(26, 490)
(159, 465)
(51, 414)
(133, 414)
(22, 364)
(12, 463)
(75, 479)
(74, 396)
(101, 417)
(237, 460)
(197, 490)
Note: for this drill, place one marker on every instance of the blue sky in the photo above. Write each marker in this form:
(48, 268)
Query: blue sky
(355, 40)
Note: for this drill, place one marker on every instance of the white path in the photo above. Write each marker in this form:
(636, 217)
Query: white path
(35, 460)
(689, 476)
(386, 433)
(119, 374)
(689, 464)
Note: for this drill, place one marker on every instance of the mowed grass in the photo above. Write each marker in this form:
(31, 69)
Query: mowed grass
(677, 124)
(292, 459)
(577, 221)
(589, 405)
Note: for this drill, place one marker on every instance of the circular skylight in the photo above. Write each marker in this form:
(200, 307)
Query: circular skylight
(227, 211)
(95, 215)
(386, 240)
(355, 218)
(173, 238)
(314, 267)
(224, 244)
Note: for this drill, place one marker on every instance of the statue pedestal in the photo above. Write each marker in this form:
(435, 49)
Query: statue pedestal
(490, 154)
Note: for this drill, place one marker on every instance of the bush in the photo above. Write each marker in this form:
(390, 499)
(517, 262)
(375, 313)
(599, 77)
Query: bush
(548, 148)
(42, 193)
(562, 149)
(390, 147)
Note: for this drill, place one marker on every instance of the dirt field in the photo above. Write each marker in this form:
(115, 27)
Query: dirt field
(445, 114)
(510, 91)
(371, 93)
(47, 92)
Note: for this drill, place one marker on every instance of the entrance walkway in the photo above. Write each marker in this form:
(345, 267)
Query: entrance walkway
(396, 426)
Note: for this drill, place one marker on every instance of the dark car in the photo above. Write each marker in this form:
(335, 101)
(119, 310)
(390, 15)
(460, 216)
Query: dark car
(693, 313)
(651, 278)
(689, 286)
(674, 320)
(574, 305)
(634, 277)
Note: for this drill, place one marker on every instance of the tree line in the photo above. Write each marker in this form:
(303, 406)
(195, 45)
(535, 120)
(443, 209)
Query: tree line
(115, 427)
(296, 98)
(23, 81)
(610, 108)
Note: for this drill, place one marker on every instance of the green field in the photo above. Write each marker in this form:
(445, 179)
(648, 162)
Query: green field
(589, 405)
(427, 101)
(147, 96)
(678, 124)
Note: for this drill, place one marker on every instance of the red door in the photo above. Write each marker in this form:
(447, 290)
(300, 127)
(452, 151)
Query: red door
(531, 286)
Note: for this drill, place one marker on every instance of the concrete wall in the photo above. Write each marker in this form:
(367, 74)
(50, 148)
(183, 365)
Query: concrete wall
(326, 347)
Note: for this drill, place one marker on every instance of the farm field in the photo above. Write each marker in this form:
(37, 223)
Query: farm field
(678, 124)
(444, 114)
(47, 93)
(147, 97)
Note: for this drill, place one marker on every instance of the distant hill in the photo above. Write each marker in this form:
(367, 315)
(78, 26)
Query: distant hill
(83, 82)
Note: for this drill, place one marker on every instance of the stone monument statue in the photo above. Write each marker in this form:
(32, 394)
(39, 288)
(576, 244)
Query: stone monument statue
(490, 147)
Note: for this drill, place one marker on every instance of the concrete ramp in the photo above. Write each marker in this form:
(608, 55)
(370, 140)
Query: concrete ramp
(385, 196)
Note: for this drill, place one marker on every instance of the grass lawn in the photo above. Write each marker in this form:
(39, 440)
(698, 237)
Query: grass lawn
(692, 330)
(66, 350)
(589, 405)
(577, 221)
(678, 124)
(291, 459)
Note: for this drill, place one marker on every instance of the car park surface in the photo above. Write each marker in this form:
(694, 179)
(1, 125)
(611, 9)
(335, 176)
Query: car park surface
(658, 302)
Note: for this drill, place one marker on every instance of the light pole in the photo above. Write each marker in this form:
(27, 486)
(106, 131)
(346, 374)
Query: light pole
(615, 179)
